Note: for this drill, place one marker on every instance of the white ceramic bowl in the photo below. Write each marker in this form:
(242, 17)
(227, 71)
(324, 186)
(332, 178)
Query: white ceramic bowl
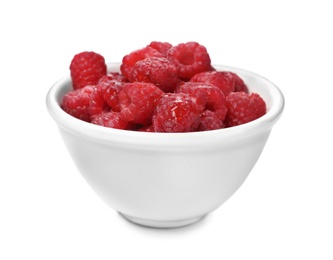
(166, 179)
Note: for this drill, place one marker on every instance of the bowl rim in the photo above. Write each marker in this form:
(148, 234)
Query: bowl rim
(118, 136)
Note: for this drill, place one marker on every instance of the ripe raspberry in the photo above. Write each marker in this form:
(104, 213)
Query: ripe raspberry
(243, 108)
(239, 83)
(76, 102)
(156, 70)
(130, 59)
(105, 95)
(97, 104)
(162, 47)
(176, 112)
(190, 58)
(137, 102)
(207, 97)
(210, 121)
(110, 119)
(87, 68)
(112, 84)
(221, 79)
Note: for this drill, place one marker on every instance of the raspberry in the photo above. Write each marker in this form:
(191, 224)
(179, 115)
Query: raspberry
(176, 112)
(243, 108)
(190, 58)
(156, 70)
(162, 47)
(113, 83)
(110, 119)
(76, 102)
(138, 101)
(130, 59)
(87, 68)
(209, 121)
(97, 104)
(207, 97)
(105, 95)
(221, 79)
(239, 83)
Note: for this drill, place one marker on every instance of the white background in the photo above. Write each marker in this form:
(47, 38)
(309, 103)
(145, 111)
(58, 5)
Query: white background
(284, 208)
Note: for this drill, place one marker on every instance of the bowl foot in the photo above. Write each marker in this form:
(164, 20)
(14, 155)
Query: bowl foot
(161, 224)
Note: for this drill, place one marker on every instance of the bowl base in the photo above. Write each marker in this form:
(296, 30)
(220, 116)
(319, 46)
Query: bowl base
(161, 224)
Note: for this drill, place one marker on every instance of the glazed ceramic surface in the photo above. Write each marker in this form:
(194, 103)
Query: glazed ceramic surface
(166, 179)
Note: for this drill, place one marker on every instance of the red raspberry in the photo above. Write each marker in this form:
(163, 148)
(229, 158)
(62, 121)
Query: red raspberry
(221, 79)
(97, 104)
(162, 47)
(105, 95)
(176, 112)
(138, 101)
(207, 97)
(190, 58)
(209, 121)
(156, 70)
(76, 102)
(112, 86)
(130, 59)
(87, 68)
(243, 108)
(239, 83)
(110, 119)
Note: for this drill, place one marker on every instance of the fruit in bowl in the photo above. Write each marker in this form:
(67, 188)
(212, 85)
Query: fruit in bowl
(163, 153)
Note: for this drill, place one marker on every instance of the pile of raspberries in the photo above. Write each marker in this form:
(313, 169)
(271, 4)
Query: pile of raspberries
(160, 88)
